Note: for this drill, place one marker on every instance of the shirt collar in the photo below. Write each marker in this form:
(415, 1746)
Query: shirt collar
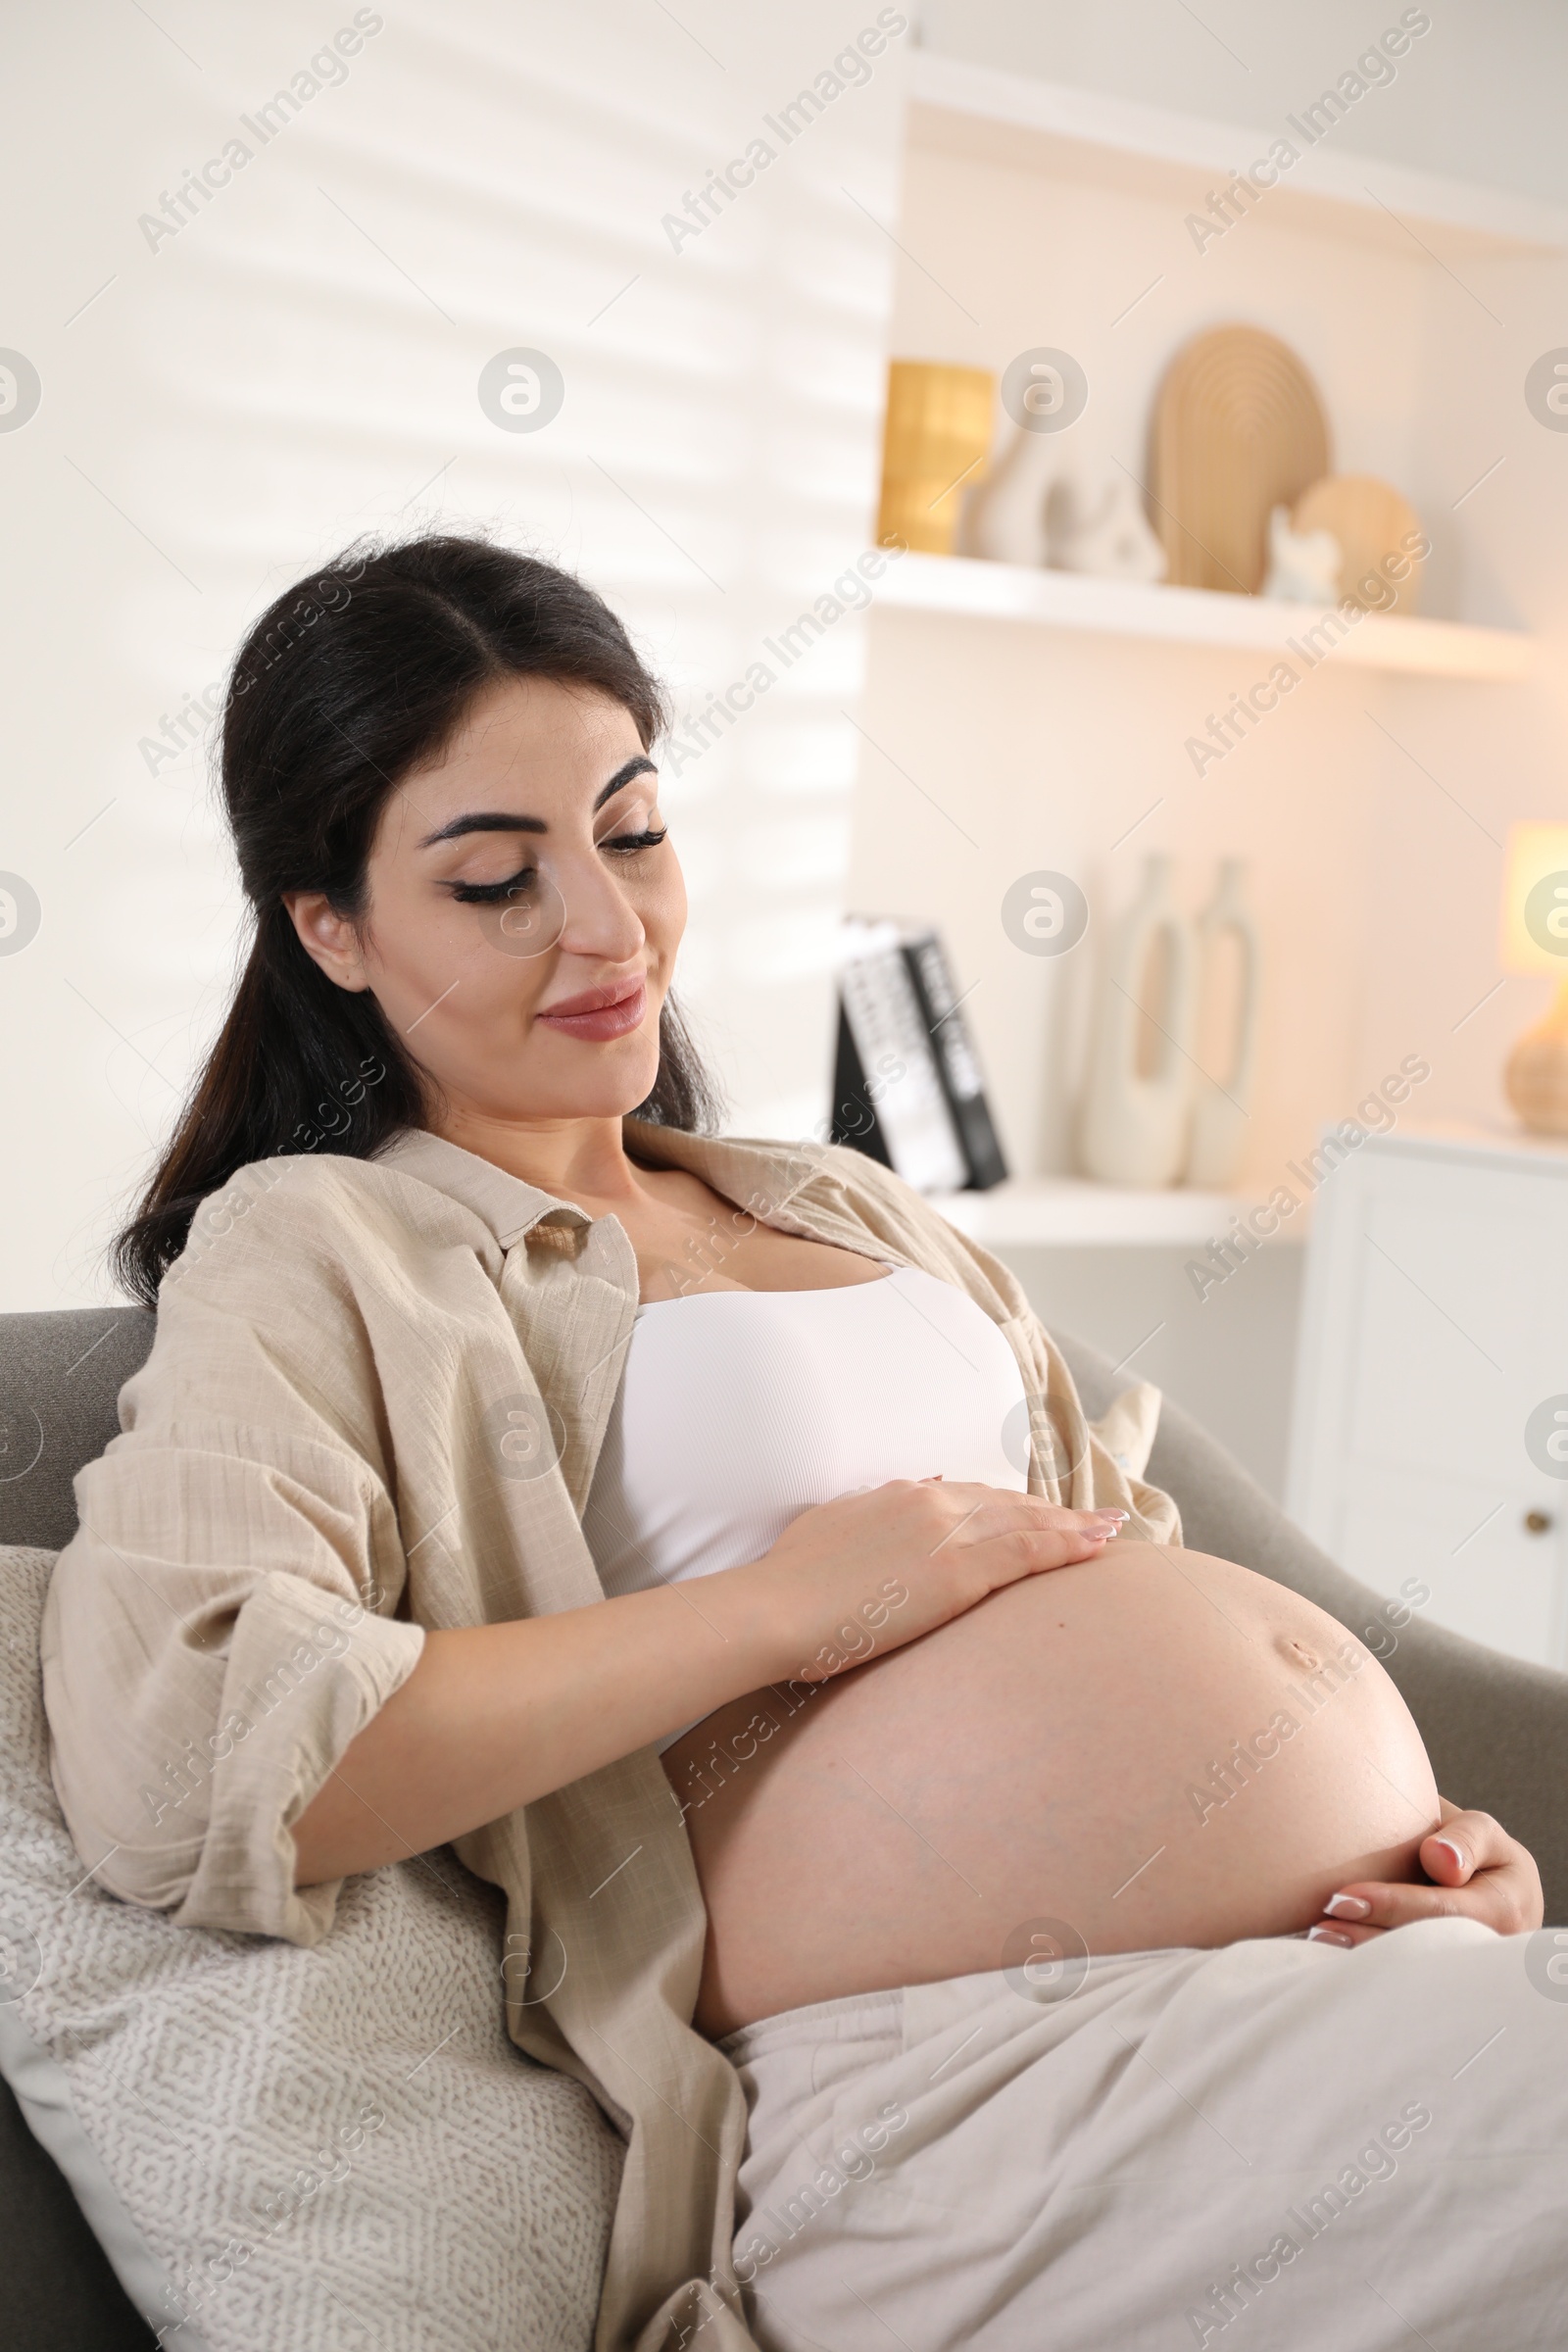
(508, 1205)
(763, 1177)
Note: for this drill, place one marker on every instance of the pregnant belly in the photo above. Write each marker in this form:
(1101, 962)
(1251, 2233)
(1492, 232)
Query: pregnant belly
(1153, 1748)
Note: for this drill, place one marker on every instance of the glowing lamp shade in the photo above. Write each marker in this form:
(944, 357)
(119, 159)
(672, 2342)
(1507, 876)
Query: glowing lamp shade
(1534, 941)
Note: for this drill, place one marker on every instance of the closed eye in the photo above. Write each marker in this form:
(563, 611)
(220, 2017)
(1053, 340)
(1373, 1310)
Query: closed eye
(493, 893)
(627, 844)
(496, 894)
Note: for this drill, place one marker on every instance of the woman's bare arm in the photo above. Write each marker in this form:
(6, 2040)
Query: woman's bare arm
(495, 1716)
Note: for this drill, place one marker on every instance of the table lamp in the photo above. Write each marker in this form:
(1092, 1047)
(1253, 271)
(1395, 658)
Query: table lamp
(1535, 939)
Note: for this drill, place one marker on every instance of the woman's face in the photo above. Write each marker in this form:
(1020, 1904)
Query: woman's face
(523, 911)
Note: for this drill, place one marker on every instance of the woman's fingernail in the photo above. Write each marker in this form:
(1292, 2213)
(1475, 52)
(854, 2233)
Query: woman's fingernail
(1328, 1936)
(1347, 1907)
(1461, 1858)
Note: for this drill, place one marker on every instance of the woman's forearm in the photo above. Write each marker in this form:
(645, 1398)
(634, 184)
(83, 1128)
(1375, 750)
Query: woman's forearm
(495, 1716)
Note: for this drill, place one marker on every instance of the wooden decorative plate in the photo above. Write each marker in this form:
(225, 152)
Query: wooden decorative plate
(1238, 429)
(1369, 518)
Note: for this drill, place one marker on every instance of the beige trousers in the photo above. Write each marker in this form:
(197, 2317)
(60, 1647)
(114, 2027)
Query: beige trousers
(1280, 2146)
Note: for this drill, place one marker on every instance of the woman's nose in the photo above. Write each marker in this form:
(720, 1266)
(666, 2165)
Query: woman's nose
(601, 923)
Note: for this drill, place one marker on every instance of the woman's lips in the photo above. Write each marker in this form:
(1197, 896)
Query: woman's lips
(599, 1013)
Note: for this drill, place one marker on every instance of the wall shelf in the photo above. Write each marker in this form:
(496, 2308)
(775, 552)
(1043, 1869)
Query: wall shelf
(1084, 134)
(1034, 215)
(961, 586)
(1071, 1212)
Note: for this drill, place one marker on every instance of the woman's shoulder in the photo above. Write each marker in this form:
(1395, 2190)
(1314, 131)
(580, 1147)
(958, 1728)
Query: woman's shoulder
(303, 1277)
(325, 1210)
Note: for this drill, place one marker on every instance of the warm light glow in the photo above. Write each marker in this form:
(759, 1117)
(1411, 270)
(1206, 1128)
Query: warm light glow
(1534, 901)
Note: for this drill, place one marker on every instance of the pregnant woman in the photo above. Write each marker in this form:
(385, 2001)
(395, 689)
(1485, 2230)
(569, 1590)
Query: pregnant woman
(951, 1885)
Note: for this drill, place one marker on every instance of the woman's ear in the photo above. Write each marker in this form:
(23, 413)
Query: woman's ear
(328, 938)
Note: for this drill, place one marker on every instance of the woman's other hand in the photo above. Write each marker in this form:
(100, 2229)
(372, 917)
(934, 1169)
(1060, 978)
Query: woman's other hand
(1478, 1872)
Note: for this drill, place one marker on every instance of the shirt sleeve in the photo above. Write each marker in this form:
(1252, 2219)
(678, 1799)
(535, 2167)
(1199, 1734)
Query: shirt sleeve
(222, 1624)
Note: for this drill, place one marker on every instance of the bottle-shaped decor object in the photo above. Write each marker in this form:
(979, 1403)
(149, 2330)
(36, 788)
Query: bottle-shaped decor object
(1137, 1102)
(1222, 1089)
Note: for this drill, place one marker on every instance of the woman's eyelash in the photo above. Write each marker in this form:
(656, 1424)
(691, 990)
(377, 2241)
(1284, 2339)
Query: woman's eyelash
(492, 894)
(650, 839)
(495, 893)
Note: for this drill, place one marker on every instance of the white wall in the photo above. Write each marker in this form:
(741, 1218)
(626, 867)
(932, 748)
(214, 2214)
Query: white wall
(1476, 761)
(299, 364)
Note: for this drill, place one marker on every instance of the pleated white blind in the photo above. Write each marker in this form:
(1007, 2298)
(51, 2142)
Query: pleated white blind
(247, 358)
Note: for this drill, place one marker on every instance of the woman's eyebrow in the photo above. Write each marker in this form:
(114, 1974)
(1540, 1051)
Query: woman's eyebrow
(484, 820)
(642, 765)
(500, 820)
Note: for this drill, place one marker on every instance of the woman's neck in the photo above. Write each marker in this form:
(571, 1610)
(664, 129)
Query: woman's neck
(578, 1159)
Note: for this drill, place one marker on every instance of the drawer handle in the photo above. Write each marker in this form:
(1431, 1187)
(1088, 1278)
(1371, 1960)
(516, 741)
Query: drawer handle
(1538, 1523)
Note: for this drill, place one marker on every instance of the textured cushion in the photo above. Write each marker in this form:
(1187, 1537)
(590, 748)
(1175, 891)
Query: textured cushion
(280, 2146)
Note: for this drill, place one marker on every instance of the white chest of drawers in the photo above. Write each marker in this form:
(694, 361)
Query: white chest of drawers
(1432, 1368)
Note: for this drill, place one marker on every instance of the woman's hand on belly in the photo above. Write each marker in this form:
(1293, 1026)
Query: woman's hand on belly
(871, 1572)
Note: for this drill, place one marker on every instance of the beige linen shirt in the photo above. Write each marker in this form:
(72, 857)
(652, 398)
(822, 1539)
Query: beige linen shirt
(373, 1405)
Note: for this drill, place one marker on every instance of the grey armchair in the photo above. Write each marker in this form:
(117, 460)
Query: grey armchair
(1496, 1730)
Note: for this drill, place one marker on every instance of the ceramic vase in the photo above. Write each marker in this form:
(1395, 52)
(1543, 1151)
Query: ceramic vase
(1136, 1118)
(1222, 1103)
(1004, 516)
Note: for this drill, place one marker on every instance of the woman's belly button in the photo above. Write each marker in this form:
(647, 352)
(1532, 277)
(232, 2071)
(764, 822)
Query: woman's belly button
(1153, 1748)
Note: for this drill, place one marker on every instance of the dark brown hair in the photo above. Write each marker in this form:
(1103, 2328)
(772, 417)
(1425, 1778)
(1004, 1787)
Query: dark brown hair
(351, 678)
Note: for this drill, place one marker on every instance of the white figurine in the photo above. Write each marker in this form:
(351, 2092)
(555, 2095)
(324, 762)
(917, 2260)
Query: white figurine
(1003, 515)
(1100, 530)
(1303, 566)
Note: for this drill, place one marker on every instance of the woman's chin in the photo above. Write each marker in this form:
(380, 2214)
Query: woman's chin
(607, 1081)
(584, 1081)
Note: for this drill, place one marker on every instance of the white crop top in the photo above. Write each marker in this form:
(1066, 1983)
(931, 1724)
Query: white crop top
(740, 1409)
